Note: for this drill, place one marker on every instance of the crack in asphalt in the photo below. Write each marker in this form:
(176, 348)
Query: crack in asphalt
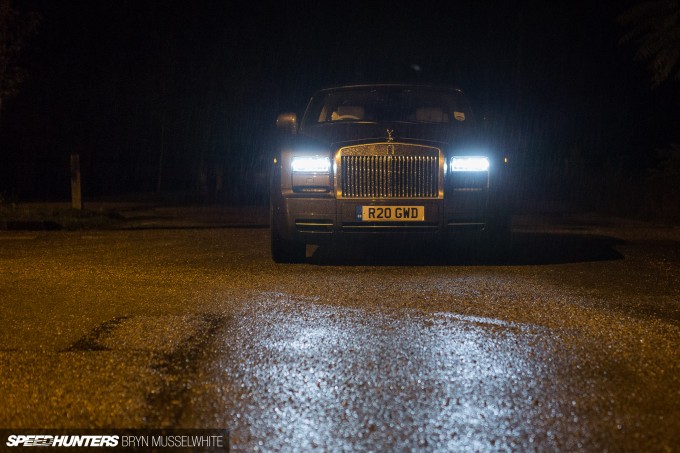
(178, 368)
(93, 341)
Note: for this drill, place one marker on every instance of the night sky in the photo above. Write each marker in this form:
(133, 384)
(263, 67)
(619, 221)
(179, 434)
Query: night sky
(130, 85)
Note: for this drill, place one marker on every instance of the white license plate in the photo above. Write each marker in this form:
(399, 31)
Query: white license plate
(391, 213)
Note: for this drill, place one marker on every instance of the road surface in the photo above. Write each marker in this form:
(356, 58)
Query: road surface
(572, 345)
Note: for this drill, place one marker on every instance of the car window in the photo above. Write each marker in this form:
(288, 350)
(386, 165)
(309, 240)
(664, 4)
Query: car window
(417, 105)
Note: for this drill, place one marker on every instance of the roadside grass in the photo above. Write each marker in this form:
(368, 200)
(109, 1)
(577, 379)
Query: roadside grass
(42, 216)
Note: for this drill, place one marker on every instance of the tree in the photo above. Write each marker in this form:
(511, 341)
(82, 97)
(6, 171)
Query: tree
(15, 28)
(655, 27)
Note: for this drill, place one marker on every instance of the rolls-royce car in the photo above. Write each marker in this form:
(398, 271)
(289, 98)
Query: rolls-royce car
(386, 161)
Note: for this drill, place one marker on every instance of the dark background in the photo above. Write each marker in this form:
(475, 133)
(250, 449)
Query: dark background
(182, 96)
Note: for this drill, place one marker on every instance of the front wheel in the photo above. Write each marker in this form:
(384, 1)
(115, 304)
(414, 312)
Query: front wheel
(497, 238)
(284, 250)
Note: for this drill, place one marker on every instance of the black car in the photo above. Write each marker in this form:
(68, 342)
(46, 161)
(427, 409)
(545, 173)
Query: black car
(392, 161)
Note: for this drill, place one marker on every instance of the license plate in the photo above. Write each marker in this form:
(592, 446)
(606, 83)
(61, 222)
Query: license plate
(391, 213)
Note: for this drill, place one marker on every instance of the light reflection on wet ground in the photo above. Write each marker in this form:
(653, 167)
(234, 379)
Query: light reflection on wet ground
(341, 379)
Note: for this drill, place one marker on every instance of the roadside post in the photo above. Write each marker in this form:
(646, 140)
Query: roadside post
(76, 196)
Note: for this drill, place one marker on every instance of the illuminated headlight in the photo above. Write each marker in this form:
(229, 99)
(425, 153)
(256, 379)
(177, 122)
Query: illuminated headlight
(315, 164)
(469, 163)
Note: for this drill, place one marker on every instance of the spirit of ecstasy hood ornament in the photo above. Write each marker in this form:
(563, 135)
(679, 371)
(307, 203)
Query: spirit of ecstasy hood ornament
(390, 136)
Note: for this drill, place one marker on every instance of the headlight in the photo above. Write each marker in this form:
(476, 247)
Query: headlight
(469, 163)
(315, 164)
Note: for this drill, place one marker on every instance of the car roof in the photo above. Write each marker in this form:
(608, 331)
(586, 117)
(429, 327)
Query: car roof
(390, 85)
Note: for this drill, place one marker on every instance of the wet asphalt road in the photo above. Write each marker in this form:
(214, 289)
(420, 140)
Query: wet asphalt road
(573, 345)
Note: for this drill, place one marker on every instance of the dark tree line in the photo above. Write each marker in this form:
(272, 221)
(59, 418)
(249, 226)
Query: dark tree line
(654, 27)
(15, 28)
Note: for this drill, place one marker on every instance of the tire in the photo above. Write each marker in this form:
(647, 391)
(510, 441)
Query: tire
(492, 245)
(284, 250)
(497, 238)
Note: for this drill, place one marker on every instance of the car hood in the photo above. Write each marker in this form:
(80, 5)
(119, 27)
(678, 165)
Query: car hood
(337, 135)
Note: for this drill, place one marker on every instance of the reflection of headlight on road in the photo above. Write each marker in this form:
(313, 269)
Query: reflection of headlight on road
(469, 163)
(314, 164)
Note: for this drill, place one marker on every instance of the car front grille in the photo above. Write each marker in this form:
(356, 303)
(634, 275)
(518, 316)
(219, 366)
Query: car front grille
(389, 170)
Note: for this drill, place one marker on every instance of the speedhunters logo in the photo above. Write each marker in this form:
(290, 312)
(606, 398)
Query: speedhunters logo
(180, 440)
(33, 440)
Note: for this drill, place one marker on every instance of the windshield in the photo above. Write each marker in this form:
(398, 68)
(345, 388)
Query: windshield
(390, 104)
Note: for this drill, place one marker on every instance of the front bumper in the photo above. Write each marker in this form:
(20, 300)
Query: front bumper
(318, 220)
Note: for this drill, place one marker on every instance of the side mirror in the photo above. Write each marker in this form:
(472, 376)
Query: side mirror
(287, 122)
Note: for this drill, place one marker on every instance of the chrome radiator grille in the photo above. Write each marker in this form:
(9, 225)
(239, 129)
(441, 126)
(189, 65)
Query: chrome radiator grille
(389, 171)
